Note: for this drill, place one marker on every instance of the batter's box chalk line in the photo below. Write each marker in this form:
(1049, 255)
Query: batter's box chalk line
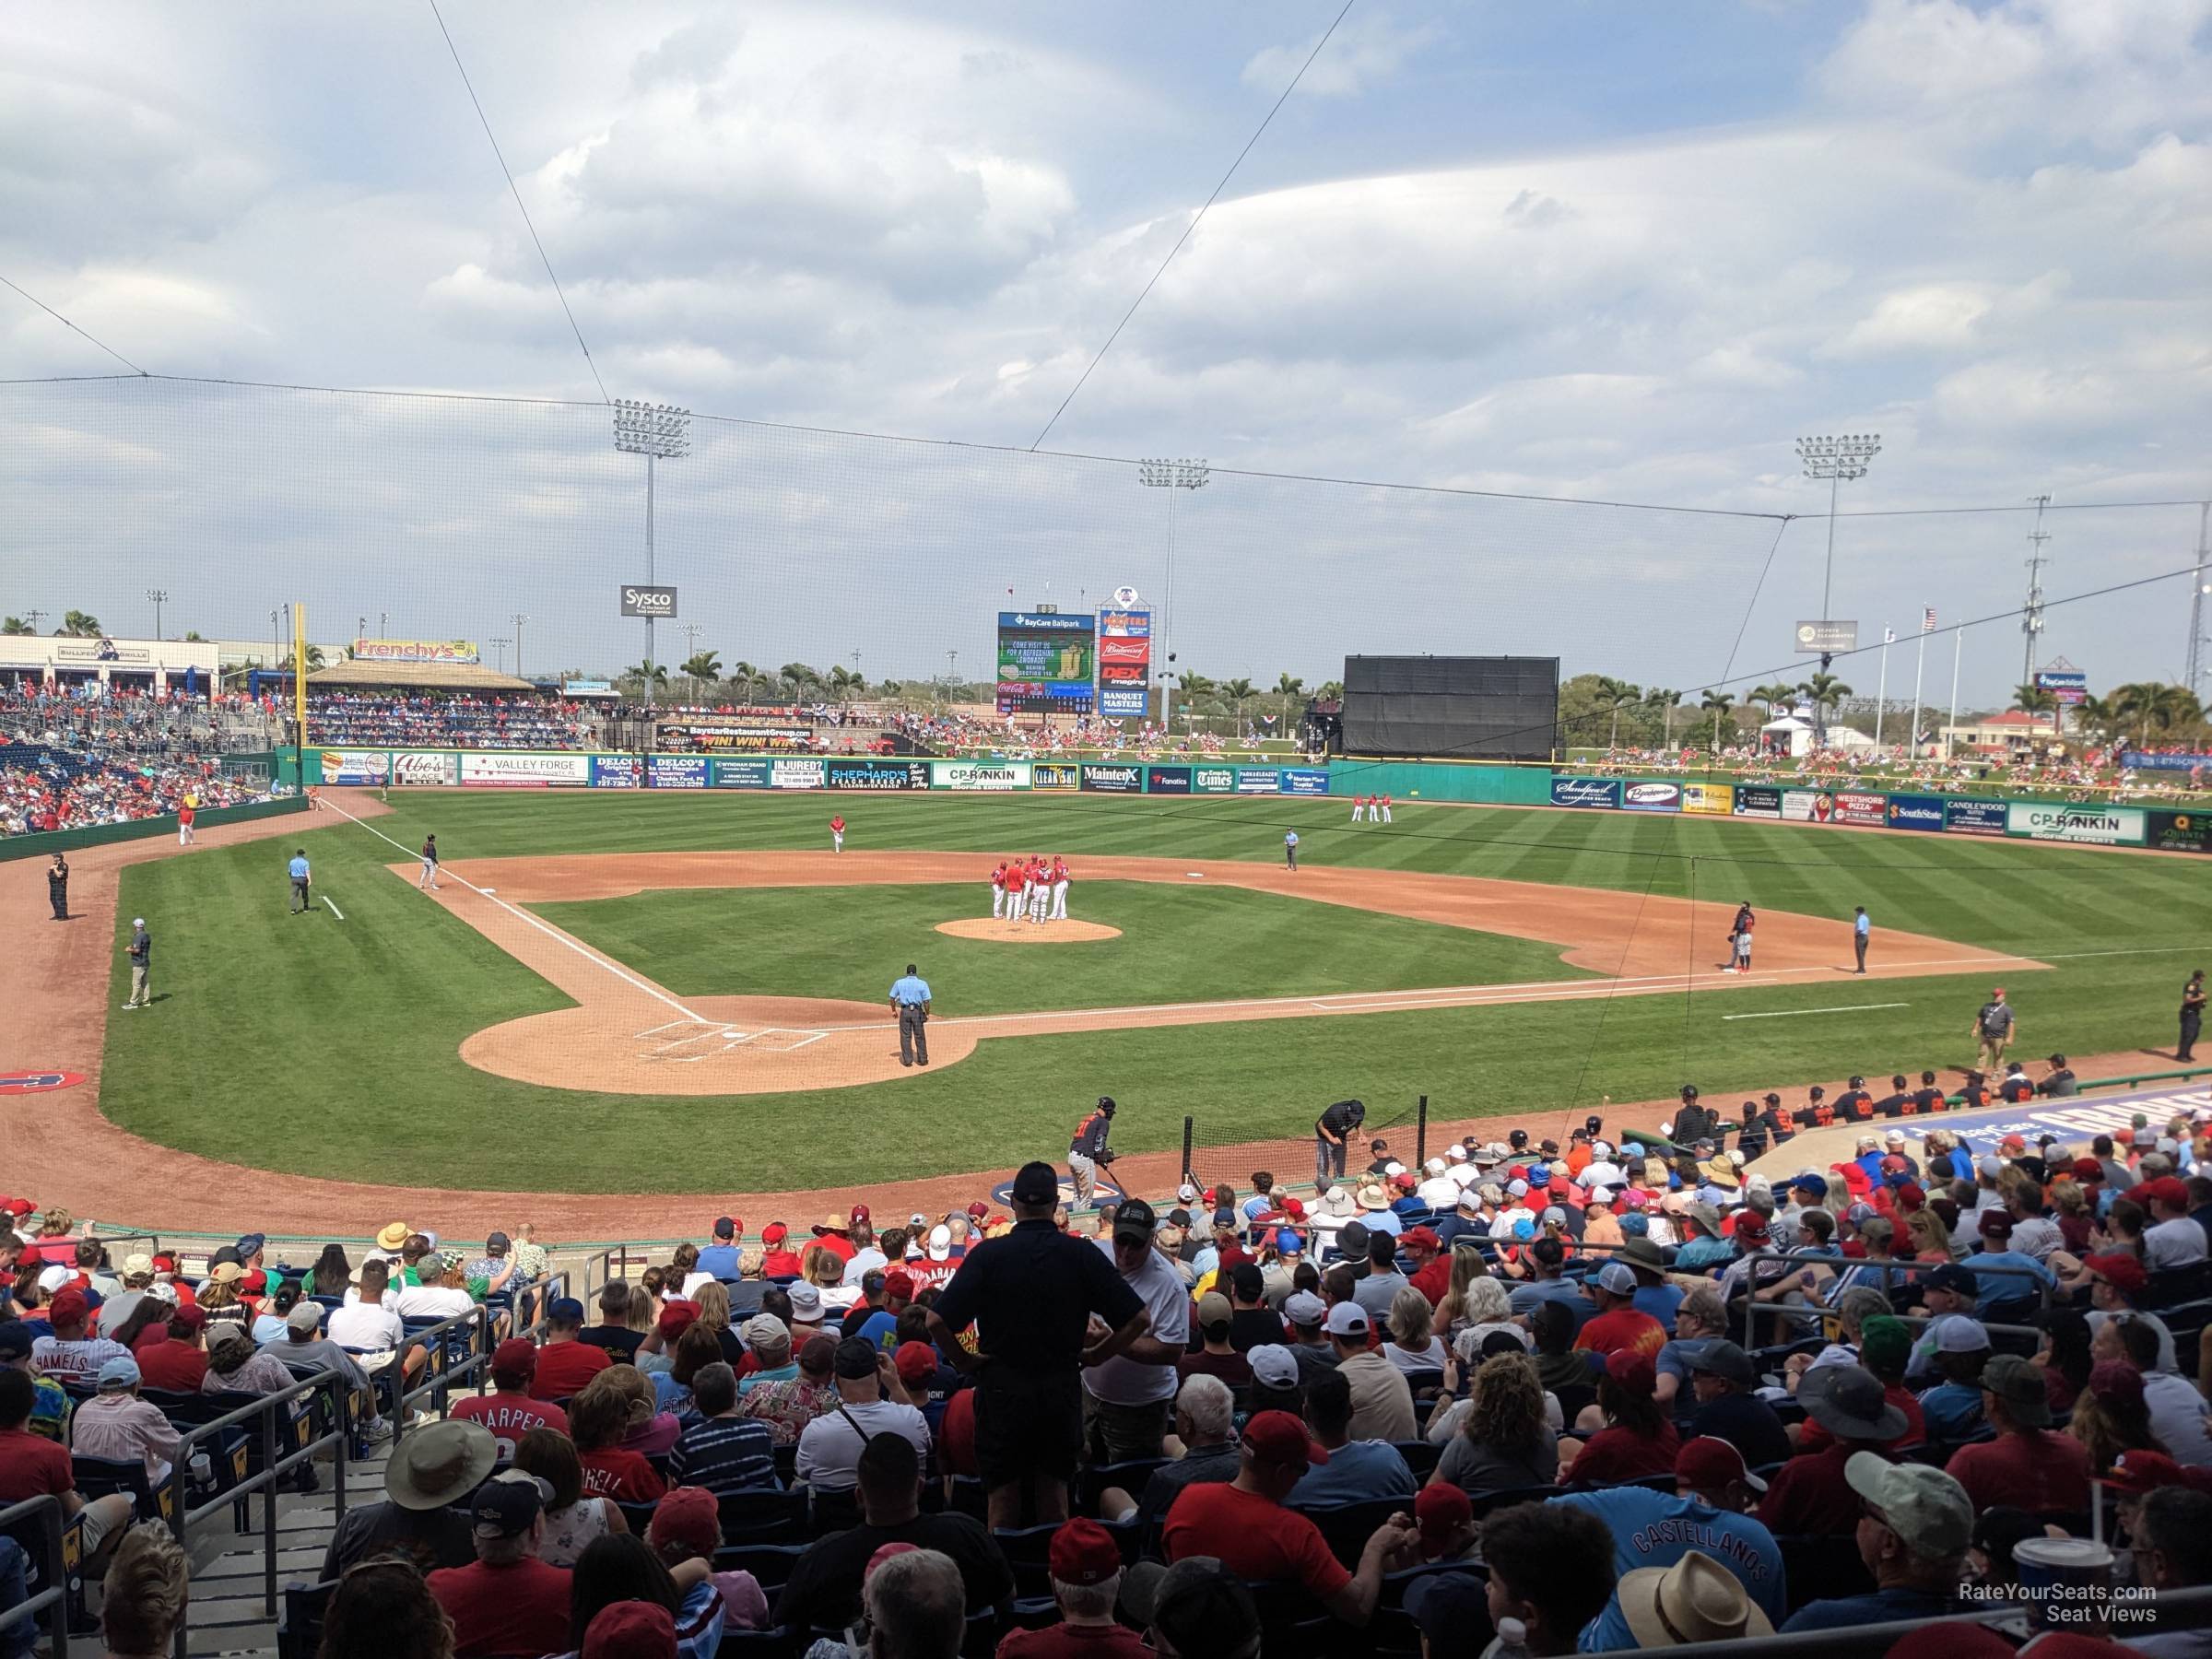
(696, 1043)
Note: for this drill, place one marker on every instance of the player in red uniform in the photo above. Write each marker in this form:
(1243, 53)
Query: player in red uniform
(1040, 887)
(1060, 879)
(837, 833)
(1018, 879)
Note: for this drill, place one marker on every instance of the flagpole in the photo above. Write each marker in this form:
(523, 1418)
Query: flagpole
(1881, 697)
(1957, 646)
(1912, 732)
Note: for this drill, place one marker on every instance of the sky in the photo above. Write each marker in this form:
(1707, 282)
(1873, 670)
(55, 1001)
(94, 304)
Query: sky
(1617, 255)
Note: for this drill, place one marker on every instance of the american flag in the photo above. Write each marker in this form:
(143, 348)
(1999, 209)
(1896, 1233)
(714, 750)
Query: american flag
(1927, 620)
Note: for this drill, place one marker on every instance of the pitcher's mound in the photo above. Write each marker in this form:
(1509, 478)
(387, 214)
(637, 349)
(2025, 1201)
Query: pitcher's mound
(1027, 932)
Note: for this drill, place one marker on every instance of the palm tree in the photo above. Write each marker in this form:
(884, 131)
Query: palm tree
(800, 677)
(647, 676)
(1769, 697)
(1717, 703)
(1237, 691)
(2102, 719)
(1824, 692)
(2032, 700)
(191, 636)
(745, 677)
(1615, 695)
(80, 625)
(314, 656)
(1331, 692)
(703, 665)
(1664, 701)
(16, 625)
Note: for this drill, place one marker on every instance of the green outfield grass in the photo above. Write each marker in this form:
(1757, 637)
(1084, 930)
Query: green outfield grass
(329, 1047)
(1178, 944)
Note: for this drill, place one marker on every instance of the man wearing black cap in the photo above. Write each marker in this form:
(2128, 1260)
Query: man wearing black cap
(1331, 1132)
(1128, 1400)
(1087, 1151)
(1031, 1293)
(507, 1601)
(719, 1259)
(1694, 1123)
(1728, 1409)
(871, 1401)
(1854, 1105)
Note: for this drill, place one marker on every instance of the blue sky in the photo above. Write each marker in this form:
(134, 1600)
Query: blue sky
(1582, 250)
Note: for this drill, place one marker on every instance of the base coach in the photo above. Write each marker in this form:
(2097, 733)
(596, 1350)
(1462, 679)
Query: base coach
(1030, 1294)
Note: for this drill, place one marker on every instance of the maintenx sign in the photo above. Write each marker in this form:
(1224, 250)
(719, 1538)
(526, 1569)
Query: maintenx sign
(1585, 792)
(1114, 780)
(2094, 826)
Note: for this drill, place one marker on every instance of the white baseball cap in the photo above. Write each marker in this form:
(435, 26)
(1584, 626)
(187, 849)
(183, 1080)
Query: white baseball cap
(1394, 1169)
(1347, 1318)
(1456, 1152)
(1436, 1166)
(137, 921)
(805, 1304)
(940, 1243)
(1617, 1277)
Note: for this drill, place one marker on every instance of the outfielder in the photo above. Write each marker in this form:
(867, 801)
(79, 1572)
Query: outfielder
(1383, 807)
(1358, 807)
(998, 890)
(1060, 880)
(1041, 890)
(186, 813)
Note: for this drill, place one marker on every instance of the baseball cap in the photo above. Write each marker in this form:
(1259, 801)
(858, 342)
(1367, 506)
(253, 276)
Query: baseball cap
(1617, 1277)
(898, 1284)
(2018, 1381)
(1347, 1318)
(1083, 1552)
(1134, 1221)
(68, 1307)
(1446, 1605)
(2088, 1168)
(1950, 1275)
(1955, 1333)
(1926, 1508)
(725, 1227)
(305, 1318)
(55, 1277)
(765, 1330)
(2114, 1382)
(2124, 1273)
(1884, 1340)
(251, 1244)
(1214, 1309)
(2167, 1189)
(1420, 1238)
(774, 1233)
(1198, 1604)
(1710, 1461)
(118, 1373)
(805, 1304)
(1751, 1227)
(1301, 1308)
(516, 1358)
(1727, 1360)
(860, 1216)
(1036, 1183)
(14, 1340)
(565, 1310)
(916, 1362)
(940, 1243)
(505, 1505)
(856, 1357)
(676, 1317)
(1989, 1166)
(1273, 1364)
(1994, 1224)
(1278, 1438)
(1632, 1371)
(2137, 1471)
(1290, 1242)
(690, 1516)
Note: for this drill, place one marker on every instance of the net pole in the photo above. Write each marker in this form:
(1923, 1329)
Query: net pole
(1186, 1148)
(1420, 1133)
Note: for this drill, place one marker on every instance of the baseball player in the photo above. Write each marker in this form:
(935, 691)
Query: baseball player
(1059, 889)
(186, 813)
(1386, 809)
(1743, 949)
(1016, 882)
(1358, 807)
(430, 865)
(837, 833)
(1040, 889)
(1088, 1150)
(998, 890)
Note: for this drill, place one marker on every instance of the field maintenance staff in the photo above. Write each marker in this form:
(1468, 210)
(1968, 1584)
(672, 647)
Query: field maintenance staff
(910, 1001)
(1088, 1150)
(141, 952)
(1994, 1028)
(298, 870)
(1032, 1295)
(1331, 1132)
(1860, 928)
(57, 888)
(2192, 1013)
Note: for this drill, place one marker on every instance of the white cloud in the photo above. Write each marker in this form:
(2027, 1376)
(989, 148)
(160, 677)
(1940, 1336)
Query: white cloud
(1368, 52)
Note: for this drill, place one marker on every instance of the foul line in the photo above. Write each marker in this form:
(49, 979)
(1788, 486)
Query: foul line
(551, 933)
(333, 908)
(1794, 1013)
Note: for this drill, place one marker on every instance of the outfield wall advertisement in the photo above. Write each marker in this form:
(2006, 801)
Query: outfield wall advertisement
(1757, 801)
(995, 777)
(1651, 797)
(1604, 792)
(877, 774)
(1305, 779)
(2082, 823)
(1111, 777)
(1716, 798)
(356, 766)
(541, 770)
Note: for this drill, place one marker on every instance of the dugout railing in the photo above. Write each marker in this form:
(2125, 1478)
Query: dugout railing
(40, 1520)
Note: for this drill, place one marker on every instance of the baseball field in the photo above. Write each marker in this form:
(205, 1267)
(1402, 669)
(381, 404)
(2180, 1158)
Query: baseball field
(677, 992)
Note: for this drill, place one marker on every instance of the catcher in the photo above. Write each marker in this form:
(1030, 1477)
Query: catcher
(1087, 1152)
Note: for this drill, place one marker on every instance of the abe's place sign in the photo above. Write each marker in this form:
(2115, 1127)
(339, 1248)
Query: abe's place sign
(648, 601)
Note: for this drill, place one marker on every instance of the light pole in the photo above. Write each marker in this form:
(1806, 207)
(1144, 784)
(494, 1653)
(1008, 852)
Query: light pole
(518, 619)
(160, 597)
(658, 432)
(498, 654)
(1170, 475)
(1835, 459)
(2198, 589)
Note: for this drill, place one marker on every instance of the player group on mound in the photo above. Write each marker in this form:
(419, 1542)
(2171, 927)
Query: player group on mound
(1031, 890)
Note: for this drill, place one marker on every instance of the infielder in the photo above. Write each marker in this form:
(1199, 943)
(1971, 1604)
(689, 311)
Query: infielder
(837, 833)
(1041, 890)
(430, 865)
(1060, 880)
(186, 812)
(998, 890)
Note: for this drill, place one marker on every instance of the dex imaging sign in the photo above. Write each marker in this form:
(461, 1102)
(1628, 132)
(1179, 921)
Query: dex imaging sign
(654, 602)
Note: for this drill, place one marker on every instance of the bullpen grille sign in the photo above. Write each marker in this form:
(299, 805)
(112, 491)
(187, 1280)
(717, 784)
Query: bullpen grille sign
(655, 602)
(1585, 792)
(2090, 826)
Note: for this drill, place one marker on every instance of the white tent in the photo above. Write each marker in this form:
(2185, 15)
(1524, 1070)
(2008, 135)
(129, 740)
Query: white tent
(1792, 735)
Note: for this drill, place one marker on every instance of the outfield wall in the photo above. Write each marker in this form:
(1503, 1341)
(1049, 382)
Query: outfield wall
(98, 835)
(2074, 822)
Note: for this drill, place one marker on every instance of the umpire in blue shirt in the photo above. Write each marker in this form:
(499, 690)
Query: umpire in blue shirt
(910, 1001)
(297, 869)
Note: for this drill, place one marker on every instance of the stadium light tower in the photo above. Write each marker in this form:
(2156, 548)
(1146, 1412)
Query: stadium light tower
(1170, 475)
(160, 597)
(658, 432)
(518, 619)
(1838, 460)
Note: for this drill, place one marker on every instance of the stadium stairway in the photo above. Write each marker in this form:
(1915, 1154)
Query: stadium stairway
(228, 1615)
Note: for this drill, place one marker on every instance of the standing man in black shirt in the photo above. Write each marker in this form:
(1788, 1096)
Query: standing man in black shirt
(1088, 1151)
(2193, 1011)
(1693, 1123)
(57, 888)
(1330, 1131)
(1030, 1294)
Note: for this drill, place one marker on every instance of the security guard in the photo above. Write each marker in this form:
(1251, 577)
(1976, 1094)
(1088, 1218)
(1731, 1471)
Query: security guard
(57, 888)
(2192, 1015)
(910, 1001)
(1088, 1150)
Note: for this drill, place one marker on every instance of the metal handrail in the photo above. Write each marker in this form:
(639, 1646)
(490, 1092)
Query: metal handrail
(1886, 1267)
(56, 1573)
(439, 1373)
(273, 1468)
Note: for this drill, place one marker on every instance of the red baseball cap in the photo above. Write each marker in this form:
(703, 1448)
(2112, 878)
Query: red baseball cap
(2124, 1273)
(688, 1515)
(775, 1232)
(1280, 1437)
(898, 1285)
(2166, 1189)
(633, 1629)
(517, 1357)
(1709, 1461)
(1439, 1510)
(1631, 1370)
(916, 1362)
(1294, 1210)
(1751, 1225)
(978, 1210)
(193, 1318)
(17, 1206)
(1083, 1552)
(860, 1215)
(2135, 1471)
(1561, 1185)
(1406, 1182)
(2088, 1168)
(676, 1317)
(68, 1307)
(1420, 1238)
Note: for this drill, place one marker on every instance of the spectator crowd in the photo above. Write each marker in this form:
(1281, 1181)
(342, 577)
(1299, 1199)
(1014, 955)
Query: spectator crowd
(441, 720)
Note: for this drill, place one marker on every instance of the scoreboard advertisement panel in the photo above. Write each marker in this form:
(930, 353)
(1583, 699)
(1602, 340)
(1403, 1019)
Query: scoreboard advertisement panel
(1124, 661)
(1047, 663)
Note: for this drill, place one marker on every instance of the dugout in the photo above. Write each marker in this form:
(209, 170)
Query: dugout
(1455, 708)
